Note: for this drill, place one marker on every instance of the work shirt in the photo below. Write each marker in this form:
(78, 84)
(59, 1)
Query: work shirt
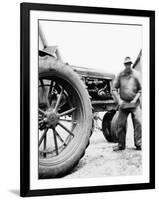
(128, 84)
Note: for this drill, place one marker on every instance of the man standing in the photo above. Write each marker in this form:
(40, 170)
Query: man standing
(127, 90)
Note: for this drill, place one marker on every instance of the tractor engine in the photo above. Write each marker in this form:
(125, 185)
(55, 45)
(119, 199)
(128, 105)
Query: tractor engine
(98, 88)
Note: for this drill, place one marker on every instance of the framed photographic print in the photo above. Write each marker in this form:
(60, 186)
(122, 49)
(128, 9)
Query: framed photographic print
(87, 99)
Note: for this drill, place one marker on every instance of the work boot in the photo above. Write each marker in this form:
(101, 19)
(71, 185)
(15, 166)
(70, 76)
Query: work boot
(119, 148)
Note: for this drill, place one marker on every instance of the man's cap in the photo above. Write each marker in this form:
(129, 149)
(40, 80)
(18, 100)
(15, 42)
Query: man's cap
(127, 60)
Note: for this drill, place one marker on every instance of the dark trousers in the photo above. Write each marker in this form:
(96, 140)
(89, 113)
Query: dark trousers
(122, 125)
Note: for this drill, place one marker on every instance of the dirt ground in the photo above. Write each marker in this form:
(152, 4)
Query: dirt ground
(100, 159)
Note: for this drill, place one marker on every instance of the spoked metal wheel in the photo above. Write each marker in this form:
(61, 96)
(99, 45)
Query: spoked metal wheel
(57, 118)
(65, 121)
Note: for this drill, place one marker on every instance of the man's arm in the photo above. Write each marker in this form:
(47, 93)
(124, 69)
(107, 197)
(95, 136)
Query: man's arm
(117, 97)
(138, 94)
(115, 87)
(136, 97)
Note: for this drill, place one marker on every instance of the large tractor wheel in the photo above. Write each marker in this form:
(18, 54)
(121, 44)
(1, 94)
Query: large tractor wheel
(65, 118)
(106, 125)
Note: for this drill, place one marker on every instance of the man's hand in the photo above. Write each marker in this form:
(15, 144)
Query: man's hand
(126, 105)
(133, 101)
(120, 102)
(136, 98)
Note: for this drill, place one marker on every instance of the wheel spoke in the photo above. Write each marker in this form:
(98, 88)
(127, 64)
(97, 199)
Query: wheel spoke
(43, 112)
(45, 95)
(59, 137)
(55, 141)
(67, 112)
(61, 104)
(43, 136)
(50, 90)
(41, 121)
(42, 83)
(65, 100)
(66, 129)
(44, 148)
(58, 100)
(68, 98)
(45, 141)
(40, 116)
(51, 85)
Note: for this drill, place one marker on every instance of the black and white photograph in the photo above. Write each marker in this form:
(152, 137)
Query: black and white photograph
(90, 99)
(84, 108)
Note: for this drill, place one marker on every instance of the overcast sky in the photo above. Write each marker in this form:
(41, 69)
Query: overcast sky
(91, 45)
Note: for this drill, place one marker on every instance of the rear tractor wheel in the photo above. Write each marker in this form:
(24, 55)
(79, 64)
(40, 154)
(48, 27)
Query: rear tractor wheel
(65, 119)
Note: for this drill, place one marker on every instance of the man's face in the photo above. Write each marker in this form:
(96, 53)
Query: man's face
(127, 66)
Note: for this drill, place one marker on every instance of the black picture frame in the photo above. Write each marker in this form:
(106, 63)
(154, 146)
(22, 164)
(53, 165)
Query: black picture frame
(25, 9)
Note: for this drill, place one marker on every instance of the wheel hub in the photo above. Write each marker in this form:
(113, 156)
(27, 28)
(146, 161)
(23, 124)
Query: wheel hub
(52, 119)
